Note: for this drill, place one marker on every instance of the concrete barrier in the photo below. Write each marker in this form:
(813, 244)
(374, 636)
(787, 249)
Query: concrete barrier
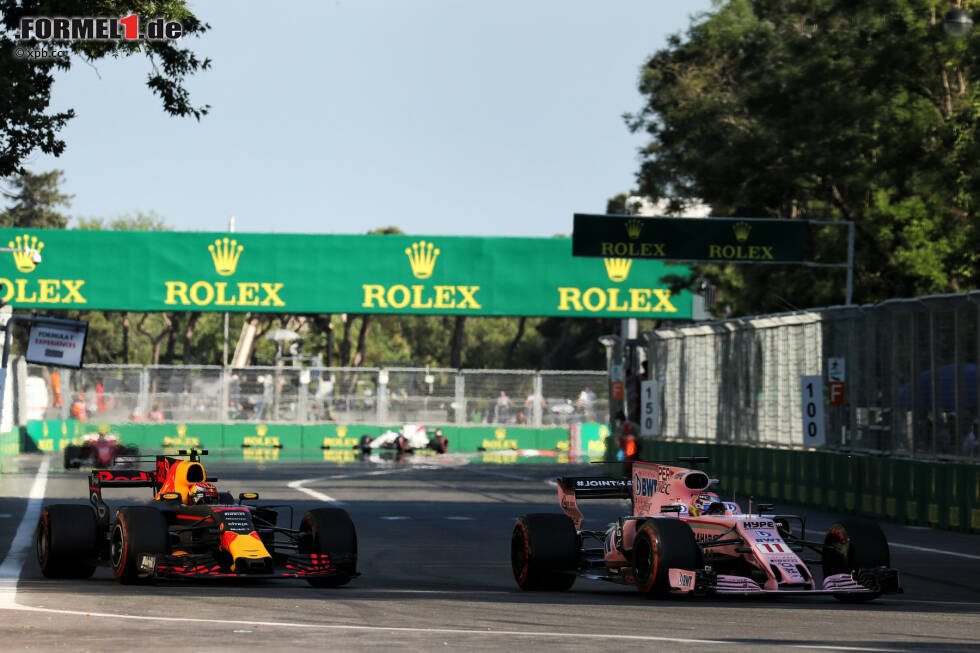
(938, 494)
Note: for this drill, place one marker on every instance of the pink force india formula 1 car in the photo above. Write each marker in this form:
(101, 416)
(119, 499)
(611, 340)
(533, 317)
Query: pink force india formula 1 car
(682, 539)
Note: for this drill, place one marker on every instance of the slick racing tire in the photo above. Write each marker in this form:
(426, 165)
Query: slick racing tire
(401, 444)
(72, 454)
(439, 444)
(137, 530)
(66, 541)
(661, 544)
(853, 544)
(544, 550)
(365, 444)
(330, 531)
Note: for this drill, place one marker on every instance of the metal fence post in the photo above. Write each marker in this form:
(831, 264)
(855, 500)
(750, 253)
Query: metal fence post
(302, 399)
(460, 399)
(536, 403)
(65, 393)
(225, 380)
(382, 397)
(144, 397)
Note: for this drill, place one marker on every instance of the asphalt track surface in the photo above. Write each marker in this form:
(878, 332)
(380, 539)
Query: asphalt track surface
(434, 554)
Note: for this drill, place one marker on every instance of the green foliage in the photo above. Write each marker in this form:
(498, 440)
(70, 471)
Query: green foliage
(36, 199)
(824, 110)
(25, 84)
(137, 221)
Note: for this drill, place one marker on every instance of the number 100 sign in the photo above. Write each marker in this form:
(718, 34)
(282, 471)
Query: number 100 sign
(811, 391)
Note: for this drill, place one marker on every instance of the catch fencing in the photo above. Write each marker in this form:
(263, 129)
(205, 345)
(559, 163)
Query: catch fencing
(342, 395)
(909, 370)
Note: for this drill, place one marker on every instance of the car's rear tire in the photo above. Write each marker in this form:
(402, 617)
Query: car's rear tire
(137, 530)
(365, 444)
(330, 531)
(661, 544)
(66, 541)
(852, 544)
(544, 550)
(439, 444)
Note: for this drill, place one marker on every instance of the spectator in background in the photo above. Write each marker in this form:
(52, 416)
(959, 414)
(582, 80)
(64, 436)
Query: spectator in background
(970, 443)
(529, 402)
(503, 408)
(56, 387)
(78, 409)
(100, 402)
(586, 399)
(155, 415)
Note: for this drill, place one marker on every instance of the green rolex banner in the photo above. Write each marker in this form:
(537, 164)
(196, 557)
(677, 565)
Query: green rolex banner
(723, 240)
(312, 273)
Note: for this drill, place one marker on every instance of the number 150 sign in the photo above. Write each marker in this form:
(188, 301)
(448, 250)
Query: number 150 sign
(811, 391)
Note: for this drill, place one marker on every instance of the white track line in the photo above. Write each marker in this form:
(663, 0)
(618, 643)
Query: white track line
(940, 551)
(21, 544)
(432, 631)
(312, 626)
(320, 496)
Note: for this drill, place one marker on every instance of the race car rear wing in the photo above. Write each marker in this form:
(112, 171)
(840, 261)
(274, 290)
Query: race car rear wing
(571, 488)
(597, 487)
(102, 478)
(122, 478)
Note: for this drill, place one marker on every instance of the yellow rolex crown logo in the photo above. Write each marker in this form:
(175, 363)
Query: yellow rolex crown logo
(26, 248)
(618, 268)
(500, 434)
(633, 228)
(422, 257)
(181, 430)
(225, 253)
(341, 431)
(742, 230)
(261, 430)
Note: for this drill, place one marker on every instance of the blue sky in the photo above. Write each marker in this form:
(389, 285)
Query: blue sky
(456, 117)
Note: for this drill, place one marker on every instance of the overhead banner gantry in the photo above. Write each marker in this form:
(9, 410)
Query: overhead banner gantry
(320, 273)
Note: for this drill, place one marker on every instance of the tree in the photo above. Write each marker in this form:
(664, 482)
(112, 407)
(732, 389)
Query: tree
(824, 110)
(36, 199)
(137, 221)
(26, 83)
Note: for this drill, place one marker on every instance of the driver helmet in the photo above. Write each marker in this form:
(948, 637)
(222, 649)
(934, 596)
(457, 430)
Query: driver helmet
(199, 493)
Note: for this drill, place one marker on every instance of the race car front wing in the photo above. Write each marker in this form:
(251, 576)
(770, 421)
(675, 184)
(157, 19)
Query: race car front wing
(880, 580)
(310, 565)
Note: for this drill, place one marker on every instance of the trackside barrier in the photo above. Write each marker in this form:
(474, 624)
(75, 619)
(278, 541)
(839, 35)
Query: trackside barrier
(54, 435)
(936, 494)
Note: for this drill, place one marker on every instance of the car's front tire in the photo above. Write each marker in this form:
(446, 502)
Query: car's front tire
(439, 444)
(661, 544)
(137, 530)
(330, 531)
(72, 454)
(853, 544)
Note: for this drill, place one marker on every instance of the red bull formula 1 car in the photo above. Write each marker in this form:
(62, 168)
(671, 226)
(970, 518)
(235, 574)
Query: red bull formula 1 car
(191, 530)
(683, 539)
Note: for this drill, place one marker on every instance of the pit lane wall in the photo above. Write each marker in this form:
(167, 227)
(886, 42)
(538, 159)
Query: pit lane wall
(935, 494)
